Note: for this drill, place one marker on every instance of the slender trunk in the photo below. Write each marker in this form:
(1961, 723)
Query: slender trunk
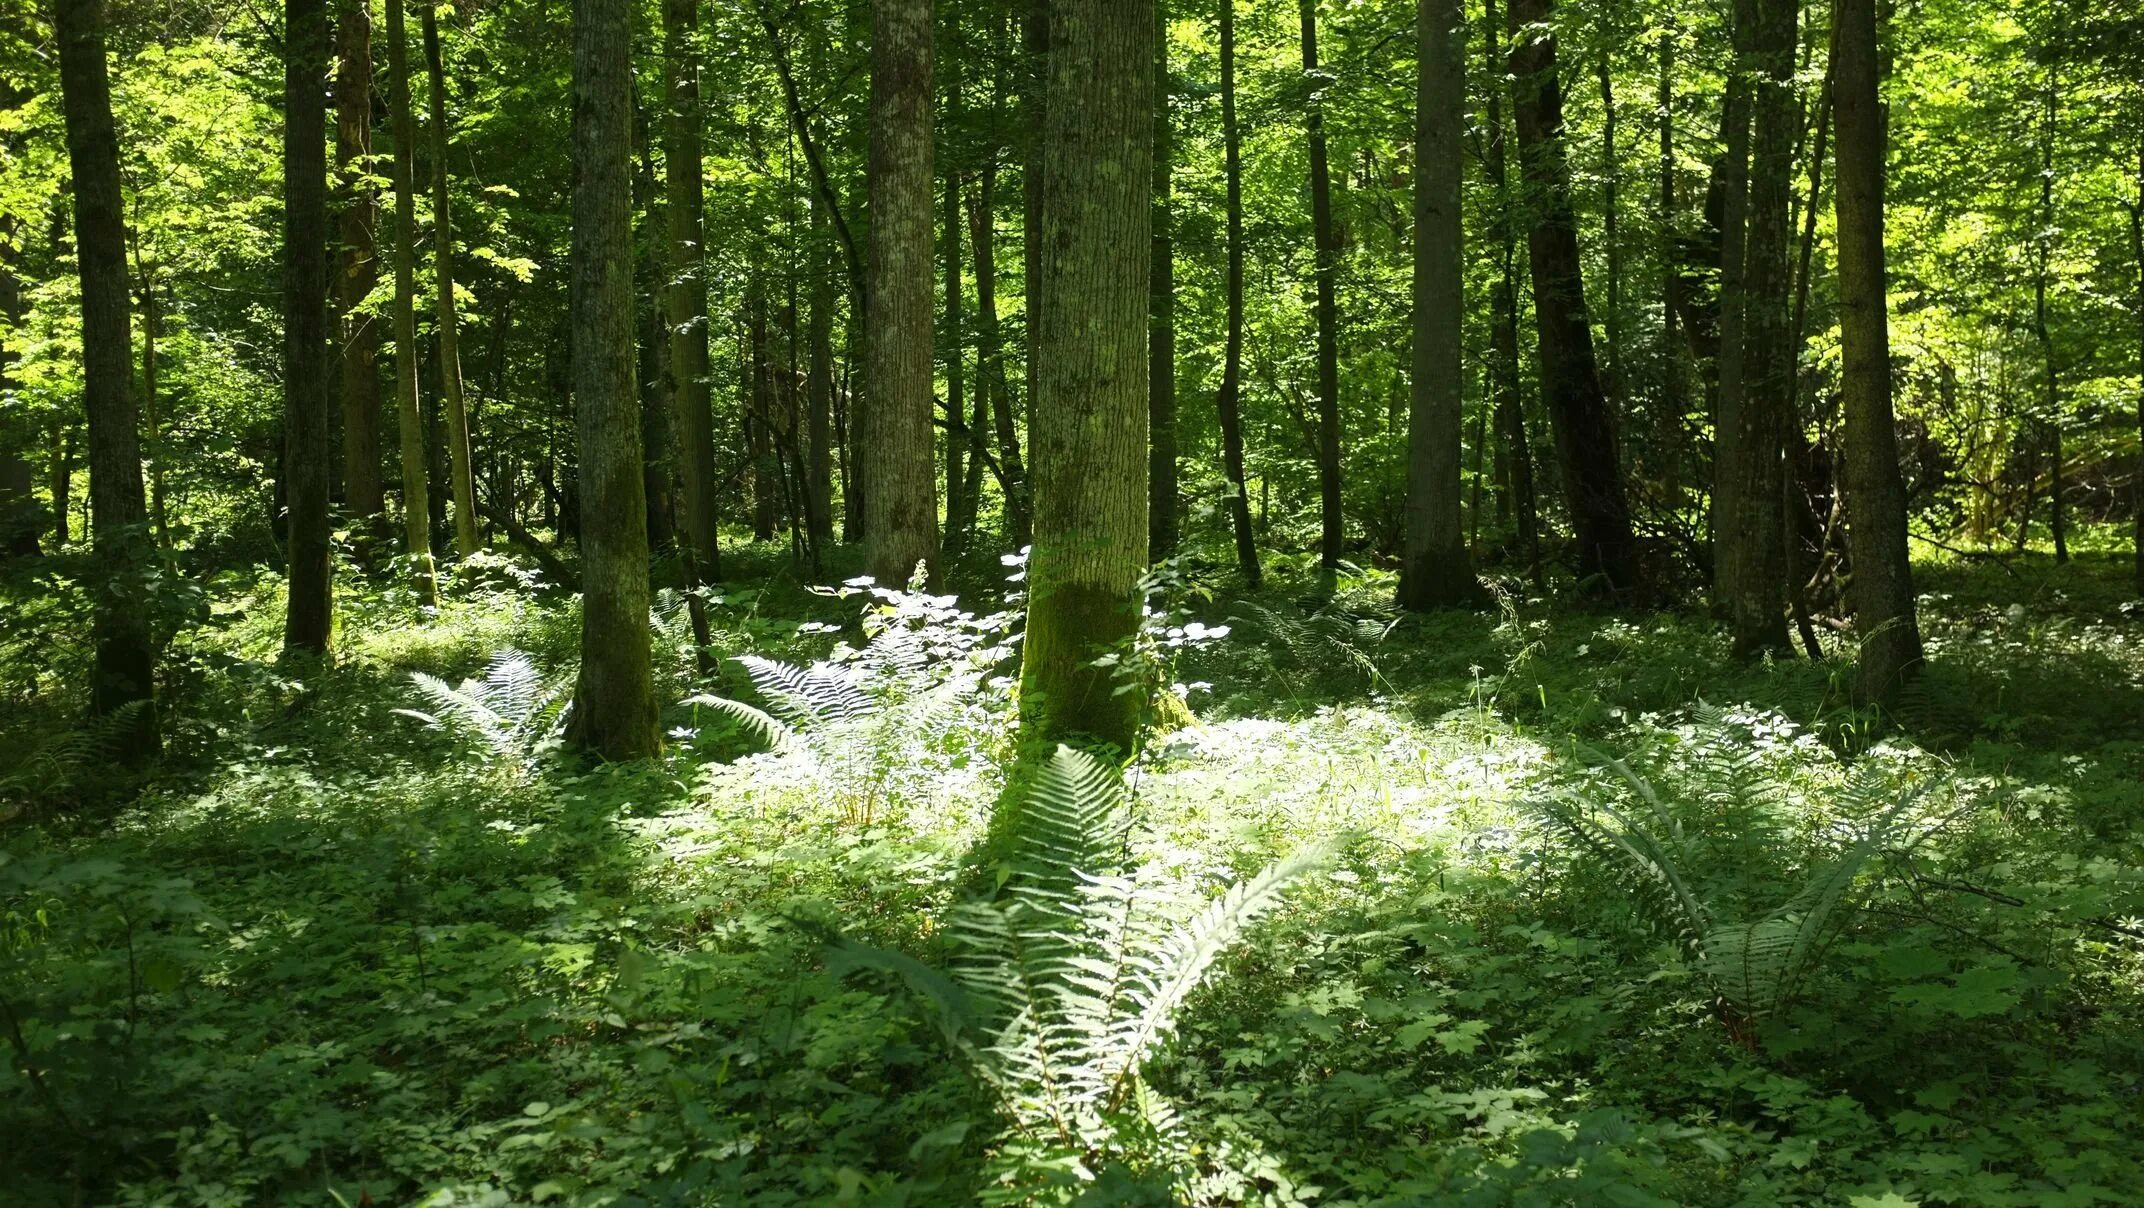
(1504, 310)
(1333, 526)
(125, 670)
(1034, 101)
(759, 419)
(1435, 568)
(1570, 380)
(1733, 178)
(1882, 583)
(444, 316)
(364, 491)
(1161, 522)
(1674, 398)
(152, 418)
(1090, 439)
(959, 508)
(1228, 401)
(20, 521)
(2050, 383)
(2136, 248)
(614, 701)
(309, 621)
(416, 493)
(900, 496)
(62, 481)
(1751, 539)
(685, 291)
(1611, 241)
(819, 383)
(990, 356)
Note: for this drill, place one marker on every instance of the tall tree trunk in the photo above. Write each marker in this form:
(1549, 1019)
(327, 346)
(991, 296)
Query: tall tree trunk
(62, 480)
(1611, 240)
(1674, 397)
(152, 420)
(1435, 568)
(1504, 313)
(1882, 583)
(1161, 523)
(20, 520)
(1570, 380)
(819, 383)
(1751, 539)
(759, 419)
(416, 492)
(959, 509)
(990, 356)
(2136, 248)
(685, 292)
(1091, 423)
(444, 316)
(125, 670)
(614, 701)
(1733, 181)
(1332, 535)
(893, 423)
(363, 490)
(1228, 401)
(2050, 383)
(309, 621)
(1034, 100)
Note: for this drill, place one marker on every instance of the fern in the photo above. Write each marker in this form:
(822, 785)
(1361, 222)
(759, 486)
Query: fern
(1065, 985)
(1337, 633)
(513, 709)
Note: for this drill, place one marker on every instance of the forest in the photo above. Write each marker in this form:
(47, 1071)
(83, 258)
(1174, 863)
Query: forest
(1025, 602)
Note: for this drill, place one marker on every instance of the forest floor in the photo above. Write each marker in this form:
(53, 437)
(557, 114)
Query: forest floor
(328, 953)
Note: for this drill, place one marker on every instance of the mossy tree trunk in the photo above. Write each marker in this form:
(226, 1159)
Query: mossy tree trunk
(1881, 589)
(1089, 440)
(1435, 568)
(893, 422)
(125, 668)
(614, 702)
(309, 619)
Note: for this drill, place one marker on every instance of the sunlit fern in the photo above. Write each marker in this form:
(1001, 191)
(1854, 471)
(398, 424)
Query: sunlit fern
(514, 709)
(60, 764)
(1065, 983)
(1341, 632)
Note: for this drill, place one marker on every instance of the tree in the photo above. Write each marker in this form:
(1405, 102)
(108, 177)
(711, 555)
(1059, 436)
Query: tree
(125, 671)
(685, 292)
(1228, 399)
(416, 494)
(20, 520)
(614, 702)
(1332, 533)
(309, 620)
(1089, 439)
(364, 495)
(1882, 585)
(819, 383)
(444, 316)
(1516, 460)
(1435, 567)
(893, 424)
(1755, 421)
(1161, 527)
(1570, 380)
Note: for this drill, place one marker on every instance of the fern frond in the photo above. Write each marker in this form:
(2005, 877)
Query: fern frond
(763, 725)
(809, 696)
(1648, 868)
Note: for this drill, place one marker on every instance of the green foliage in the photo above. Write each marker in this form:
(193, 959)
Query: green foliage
(515, 709)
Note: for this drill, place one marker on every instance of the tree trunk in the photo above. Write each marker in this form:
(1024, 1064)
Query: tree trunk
(893, 422)
(1435, 568)
(1570, 380)
(685, 292)
(1161, 522)
(1611, 241)
(20, 520)
(1751, 539)
(759, 419)
(1089, 441)
(1510, 409)
(1035, 44)
(363, 490)
(2136, 248)
(444, 317)
(125, 670)
(1674, 399)
(1332, 534)
(1733, 181)
(819, 383)
(990, 359)
(310, 618)
(614, 701)
(2050, 383)
(416, 492)
(959, 508)
(152, 421)
(1882, 583)
(1228, 401)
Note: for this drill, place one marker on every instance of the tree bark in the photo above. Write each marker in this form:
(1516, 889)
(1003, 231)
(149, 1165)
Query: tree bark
(1674, 396)
(363, 490)
(893, 421)
(1228, 401)
(1436, 570)
(2136, 248)
(1162, 524)
(1570, 380)
(1089, 442)
(1611, 239)
(614, 701)
(416, 491)
(125, 670)
(685, 292)
(819, 382)
(959, 508)
(1882, 583)
(1518, 462)
(1751, 538)
(2050, 381)
(309, 620)
(21, 522)
(1035, 47)
(759, 419)
(1332, 536)
(444, 315)
(1733, 181)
